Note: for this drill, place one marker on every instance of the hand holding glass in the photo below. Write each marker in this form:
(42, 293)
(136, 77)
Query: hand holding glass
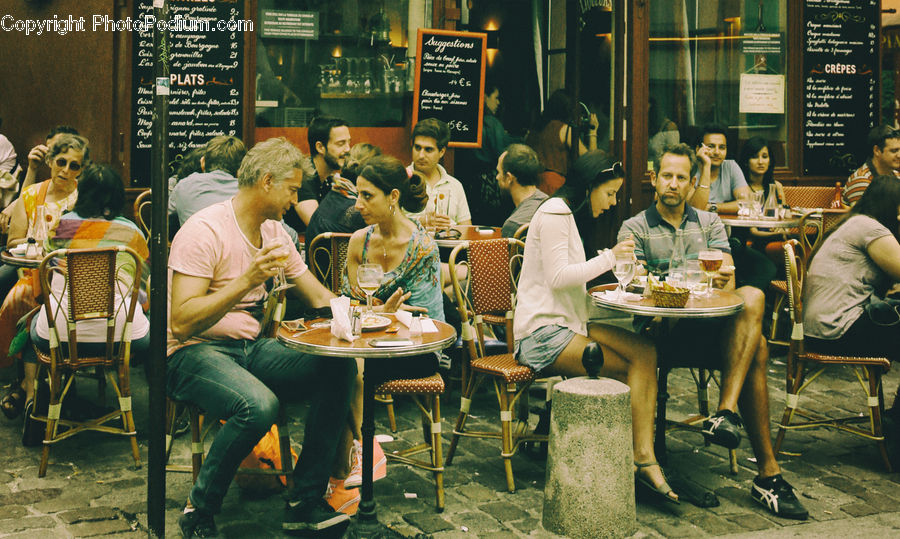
(624, 271)
(710, 261)
(368, 277)
(282, 252)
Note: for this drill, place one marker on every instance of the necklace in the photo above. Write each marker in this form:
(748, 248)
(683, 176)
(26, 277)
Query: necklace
(383, 248)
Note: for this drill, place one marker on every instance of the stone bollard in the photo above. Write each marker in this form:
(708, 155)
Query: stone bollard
(589, 490)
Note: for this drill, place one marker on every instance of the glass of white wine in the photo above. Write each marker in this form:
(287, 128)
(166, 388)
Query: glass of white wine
(282, 253)
(369, 277)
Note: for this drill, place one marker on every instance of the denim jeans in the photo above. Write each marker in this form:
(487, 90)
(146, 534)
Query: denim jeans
(238, 381)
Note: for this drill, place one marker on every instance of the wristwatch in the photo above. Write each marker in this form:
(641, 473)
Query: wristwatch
(713, 207)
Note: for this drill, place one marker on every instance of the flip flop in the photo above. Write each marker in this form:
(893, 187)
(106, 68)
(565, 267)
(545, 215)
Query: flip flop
(13, 403)
(663, 492)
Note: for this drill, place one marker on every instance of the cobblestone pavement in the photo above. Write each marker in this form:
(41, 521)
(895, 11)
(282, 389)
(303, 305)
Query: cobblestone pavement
(92, 489)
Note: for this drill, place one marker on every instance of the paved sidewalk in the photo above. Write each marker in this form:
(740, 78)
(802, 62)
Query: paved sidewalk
(91, 488)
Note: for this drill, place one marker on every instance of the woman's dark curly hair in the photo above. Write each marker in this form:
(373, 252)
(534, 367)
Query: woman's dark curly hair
(388, 173)
(100, 193)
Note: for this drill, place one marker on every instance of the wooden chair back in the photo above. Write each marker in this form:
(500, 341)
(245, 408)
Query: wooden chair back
(488, 295)
(92, 278)
(142, 211)
(806, 196)
(327, 258)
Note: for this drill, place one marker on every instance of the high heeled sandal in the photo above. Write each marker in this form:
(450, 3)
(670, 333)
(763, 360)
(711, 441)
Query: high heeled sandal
(663, 492)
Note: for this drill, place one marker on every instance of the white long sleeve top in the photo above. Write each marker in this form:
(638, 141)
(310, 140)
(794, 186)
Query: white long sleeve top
(554, 273)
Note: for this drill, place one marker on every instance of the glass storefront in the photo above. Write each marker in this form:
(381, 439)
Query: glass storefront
(718, 62)
(343, 58)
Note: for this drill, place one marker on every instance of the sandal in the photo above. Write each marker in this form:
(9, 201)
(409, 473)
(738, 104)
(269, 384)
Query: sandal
(13, 402)
(663, 491)
(32, 433)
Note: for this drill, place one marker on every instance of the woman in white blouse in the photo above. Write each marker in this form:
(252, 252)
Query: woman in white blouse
(551, 330)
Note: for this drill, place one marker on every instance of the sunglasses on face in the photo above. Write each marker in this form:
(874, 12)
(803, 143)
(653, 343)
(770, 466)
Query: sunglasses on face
(74, 166)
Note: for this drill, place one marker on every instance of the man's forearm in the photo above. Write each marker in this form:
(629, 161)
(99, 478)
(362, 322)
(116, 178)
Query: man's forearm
(197, 314)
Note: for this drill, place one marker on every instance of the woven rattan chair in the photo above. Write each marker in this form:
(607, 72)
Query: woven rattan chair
(488, 297)
(272, 318)
(91, 278)
(805, 367)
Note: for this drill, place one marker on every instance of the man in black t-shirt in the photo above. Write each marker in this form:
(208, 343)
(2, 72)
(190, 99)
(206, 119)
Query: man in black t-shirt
(329, 146)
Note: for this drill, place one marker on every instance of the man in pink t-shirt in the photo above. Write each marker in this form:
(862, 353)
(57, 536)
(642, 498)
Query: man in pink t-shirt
(219, 264)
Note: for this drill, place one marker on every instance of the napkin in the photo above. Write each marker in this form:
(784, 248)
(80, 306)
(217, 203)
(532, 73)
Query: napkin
(613, 295)
(340, 318)
(405, 318)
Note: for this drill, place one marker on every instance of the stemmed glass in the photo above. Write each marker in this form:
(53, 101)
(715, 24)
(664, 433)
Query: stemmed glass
(624, 272)
(710, 261)
(369, 277)
(282, 253)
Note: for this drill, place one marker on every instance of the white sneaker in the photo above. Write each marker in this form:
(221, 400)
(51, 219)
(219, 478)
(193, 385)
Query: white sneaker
(379, 468)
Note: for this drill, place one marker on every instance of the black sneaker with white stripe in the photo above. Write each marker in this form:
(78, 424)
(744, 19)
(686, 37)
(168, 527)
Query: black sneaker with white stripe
(777, 495)
(723, 429)
(311, 515)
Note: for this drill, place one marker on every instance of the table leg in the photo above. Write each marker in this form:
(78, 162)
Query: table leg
(367, 525)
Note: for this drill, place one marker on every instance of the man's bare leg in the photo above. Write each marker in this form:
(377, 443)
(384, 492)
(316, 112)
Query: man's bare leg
(754, 403)
(740, 346)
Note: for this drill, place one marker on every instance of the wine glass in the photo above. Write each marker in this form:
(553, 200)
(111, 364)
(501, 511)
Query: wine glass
(369, 277)
(282, 252)
(624, 272)
(442, 205)
(710, 261)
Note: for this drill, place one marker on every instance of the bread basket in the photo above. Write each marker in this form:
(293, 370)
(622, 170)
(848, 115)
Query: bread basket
(672, 298)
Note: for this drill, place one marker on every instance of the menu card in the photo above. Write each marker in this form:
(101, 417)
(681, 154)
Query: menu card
(840, 92)
(450, 82)
(206, 79)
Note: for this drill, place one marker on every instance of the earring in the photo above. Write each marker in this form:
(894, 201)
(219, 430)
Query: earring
(392, 209)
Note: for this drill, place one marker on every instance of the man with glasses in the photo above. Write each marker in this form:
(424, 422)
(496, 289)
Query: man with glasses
(884, 161)
(735, 345)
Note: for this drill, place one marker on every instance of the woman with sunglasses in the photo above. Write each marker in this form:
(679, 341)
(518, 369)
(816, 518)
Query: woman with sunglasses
(552, 305)
(67, 156)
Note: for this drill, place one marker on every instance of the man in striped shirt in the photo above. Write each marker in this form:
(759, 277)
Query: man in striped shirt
(735, 344)
(885, 160)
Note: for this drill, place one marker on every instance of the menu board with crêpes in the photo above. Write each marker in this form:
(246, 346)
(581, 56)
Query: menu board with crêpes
(450, 82)
(206, 62)
(840, 90)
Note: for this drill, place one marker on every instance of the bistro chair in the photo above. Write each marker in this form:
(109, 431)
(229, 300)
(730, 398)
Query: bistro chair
(327, 257)
(91, 281)
(142, 209)
(803, 368)
(488, 298)
(272, 318)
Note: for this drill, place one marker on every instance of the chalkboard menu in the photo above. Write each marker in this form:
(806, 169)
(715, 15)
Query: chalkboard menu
(840, 92)
(206, 62)
(450, 82)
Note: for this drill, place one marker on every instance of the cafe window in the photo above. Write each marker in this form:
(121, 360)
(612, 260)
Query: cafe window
(344, 58)
(718, 62)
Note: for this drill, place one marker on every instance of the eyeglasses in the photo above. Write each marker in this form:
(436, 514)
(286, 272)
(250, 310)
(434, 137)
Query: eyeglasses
(615, 171)
(74, 166)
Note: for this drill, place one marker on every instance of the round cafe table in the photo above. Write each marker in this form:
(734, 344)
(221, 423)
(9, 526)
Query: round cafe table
(733, 220)
(19, 261)
(320, 342)
(469, 233)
